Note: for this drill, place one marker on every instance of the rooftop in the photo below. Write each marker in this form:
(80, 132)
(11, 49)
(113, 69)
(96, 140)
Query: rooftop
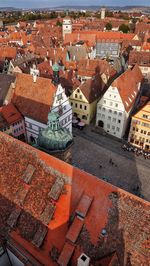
(32, 218)
(33, 99)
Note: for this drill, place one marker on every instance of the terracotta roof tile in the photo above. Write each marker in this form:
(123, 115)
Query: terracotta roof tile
(123, 215)
(8, 52)
(89, 68)
(93, 89)
(33, 99)
(66, 254)
(128, 86)
(75, 229)
(11, 114)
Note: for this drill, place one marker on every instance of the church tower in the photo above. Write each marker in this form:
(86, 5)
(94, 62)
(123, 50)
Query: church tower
(66, 27)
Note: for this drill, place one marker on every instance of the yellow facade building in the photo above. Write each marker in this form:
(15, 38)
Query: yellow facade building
(139, 134)
(84, 99)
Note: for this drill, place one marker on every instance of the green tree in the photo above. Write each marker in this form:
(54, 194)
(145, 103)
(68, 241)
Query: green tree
(124, 28)
(59, 24)
(108, 26)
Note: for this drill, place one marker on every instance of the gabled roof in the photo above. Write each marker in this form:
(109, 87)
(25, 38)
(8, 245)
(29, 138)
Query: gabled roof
(7, 51)
(5, 83)
(11, 114)
(93, 88)
(89, 68)
(139, 57)
(33, 99)
(128, 86)
(90, 39)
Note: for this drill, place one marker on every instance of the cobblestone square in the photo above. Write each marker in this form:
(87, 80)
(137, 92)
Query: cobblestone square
(105, 158)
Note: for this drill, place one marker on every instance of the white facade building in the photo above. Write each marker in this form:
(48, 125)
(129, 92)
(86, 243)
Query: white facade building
(66, 27)
(111, 114)
(116, 105)
(62, 106)
(103, 11)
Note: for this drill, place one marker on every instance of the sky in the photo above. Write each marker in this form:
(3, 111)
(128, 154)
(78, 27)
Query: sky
(53, 3)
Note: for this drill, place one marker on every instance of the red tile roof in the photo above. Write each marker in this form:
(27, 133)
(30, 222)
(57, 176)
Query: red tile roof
(89, 68)
(93, 89)
(141, 58)
(66, 254)
(84, 205)
(33, 99)
(9, 52)
(11, 114)
(128, 86)
(123, 215)
(74, 230)
(89, 38)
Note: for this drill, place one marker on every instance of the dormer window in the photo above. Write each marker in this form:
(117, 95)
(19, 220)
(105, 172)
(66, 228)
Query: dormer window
(59, 97)
(130, 99)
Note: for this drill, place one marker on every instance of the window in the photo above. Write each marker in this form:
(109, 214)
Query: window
(118, 129)
(116, 104)
(108, 125)
(99, 107)
(114, 119)
(145, 124)
(76, 96)
(115, 113)
(103, 116)
(120, 114)
(64, 107)
(110, 111)
(145, 116)
(103, 108)
(80, 106)
(80, 97)
(113, 127)
(85, 107)
(76, 105)
(133, 128)
(78, 90)
(109, 117)
(71, 103)
(104, 101)
(84, 117)
(111, 103)
(59, 97)
(119, 121)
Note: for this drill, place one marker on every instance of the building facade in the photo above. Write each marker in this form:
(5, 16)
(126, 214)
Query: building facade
(139, 134)
(66, 27)
(84, 98)
(35, 104)
(115, 107)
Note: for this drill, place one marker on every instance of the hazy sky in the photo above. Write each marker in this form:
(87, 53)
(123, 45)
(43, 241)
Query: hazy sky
(49, 3)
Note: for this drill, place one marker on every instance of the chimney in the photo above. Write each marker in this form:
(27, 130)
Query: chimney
(34, 78)
(83, 260)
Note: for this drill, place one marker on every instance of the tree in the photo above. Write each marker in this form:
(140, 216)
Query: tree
(108, 26)
(124, 28)
(59, 24)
